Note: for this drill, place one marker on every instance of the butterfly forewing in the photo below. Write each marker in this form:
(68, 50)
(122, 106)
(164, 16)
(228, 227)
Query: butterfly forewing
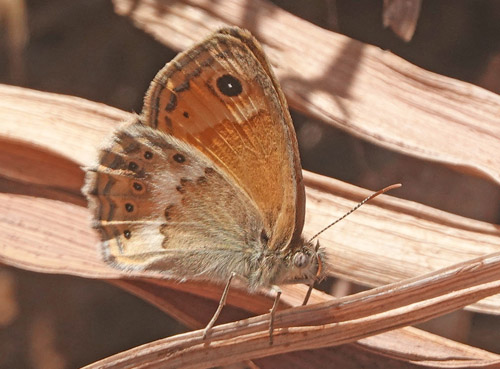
(222, 98)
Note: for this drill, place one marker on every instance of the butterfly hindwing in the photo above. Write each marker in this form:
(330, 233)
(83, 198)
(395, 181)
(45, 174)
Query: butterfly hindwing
(156, 202)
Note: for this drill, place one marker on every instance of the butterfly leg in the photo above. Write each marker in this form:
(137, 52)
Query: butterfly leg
(273, 312)
(318, 275)
(308, 294)
(222, 302)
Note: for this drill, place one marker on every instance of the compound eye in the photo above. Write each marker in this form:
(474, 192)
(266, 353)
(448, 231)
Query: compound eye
(301, 260)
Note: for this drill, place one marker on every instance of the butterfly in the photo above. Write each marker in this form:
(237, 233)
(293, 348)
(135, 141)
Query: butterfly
(206, 183)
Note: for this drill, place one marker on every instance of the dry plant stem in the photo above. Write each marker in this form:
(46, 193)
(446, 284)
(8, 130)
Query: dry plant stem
(245, 340)
(459, 284)
(359, 88)
(160, 354)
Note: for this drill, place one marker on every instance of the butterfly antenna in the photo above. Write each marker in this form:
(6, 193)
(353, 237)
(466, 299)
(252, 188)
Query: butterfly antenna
(373, 195)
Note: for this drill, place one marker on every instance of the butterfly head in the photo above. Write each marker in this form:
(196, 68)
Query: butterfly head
(300, 264)
(305, 263)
